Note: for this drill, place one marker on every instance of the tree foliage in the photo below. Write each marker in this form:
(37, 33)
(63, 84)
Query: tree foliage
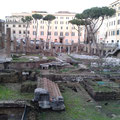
(27, 19)
(95, 17)
(49, 17)
(77, 22)
(37, 16)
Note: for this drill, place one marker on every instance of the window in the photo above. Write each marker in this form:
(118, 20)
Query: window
(6, 25)
(112, 41)
(34, 32)
(20, 32)
(61, 17)
(118, 32)
(67, 17)
(23, 25)
(42, 32)
(117, 41)
(61, 28)
(61, 22)
(66, 41)
(13, 25)
(118, 14)
(19, 25)
(67, 34)
(24, 32)
(56, 22)
(49, 33)
(72, 34)
(41, 27)
(113, 32)
(61, 33)
(14, 32)
(55, 33)
(55, 27)
(67, 28)
(118, 22)
(28, 32)
(73, 28)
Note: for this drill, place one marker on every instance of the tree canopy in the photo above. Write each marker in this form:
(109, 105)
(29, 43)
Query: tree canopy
(37, 16)
(77, 22)
(27, 19)
(49, 17)
(93, 19)
(96, 12)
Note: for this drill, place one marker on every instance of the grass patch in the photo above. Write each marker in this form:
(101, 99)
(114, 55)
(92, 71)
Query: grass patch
(20, 60)
(50, 58)
(76, 109)
(9, 94)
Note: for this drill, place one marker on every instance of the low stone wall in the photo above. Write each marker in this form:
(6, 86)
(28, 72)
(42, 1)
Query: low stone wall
(12, 77)
(66, 77)
(11, 113)
(28, 87)
(8, 76)
(23, 65)
(26, 65)
(101, 96)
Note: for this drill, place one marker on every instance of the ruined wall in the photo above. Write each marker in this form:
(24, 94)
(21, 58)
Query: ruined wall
(2, 34)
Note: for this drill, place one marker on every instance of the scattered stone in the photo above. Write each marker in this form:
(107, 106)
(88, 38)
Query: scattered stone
(99, 107)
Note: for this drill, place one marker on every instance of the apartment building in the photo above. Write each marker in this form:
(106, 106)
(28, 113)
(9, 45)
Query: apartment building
(60, 30)
(110, 30)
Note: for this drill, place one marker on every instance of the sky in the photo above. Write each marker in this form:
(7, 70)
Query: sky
(51, 6)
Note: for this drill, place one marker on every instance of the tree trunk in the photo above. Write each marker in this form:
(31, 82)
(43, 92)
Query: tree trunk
(36, 35)
(78, 35)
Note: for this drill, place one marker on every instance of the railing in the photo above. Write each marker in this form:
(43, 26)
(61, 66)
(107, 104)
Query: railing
(24, 113)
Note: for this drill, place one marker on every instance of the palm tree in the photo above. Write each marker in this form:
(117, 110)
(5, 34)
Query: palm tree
(37, 17)
(49, 18)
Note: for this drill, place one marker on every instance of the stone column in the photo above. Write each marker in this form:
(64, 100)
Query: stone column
(21, 45)
(68, 49)
(8, 44)
(1, 36)
(44, 45)
(15, 45)
(76, 49)
(60, 49)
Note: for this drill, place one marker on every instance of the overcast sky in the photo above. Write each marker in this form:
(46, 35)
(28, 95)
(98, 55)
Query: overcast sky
(51, 6)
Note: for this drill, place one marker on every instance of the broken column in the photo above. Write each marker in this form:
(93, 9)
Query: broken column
(8, 48)
(21, 45)
(15, 45)
(60, 49)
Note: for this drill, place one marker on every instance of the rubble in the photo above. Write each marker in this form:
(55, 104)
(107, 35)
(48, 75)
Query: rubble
(76, 56)
(111, 61)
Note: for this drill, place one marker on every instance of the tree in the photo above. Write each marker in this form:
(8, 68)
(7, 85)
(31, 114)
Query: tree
(95, 17)
(27, 20)
(49, 18)
(78, 23)
(37, 17)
